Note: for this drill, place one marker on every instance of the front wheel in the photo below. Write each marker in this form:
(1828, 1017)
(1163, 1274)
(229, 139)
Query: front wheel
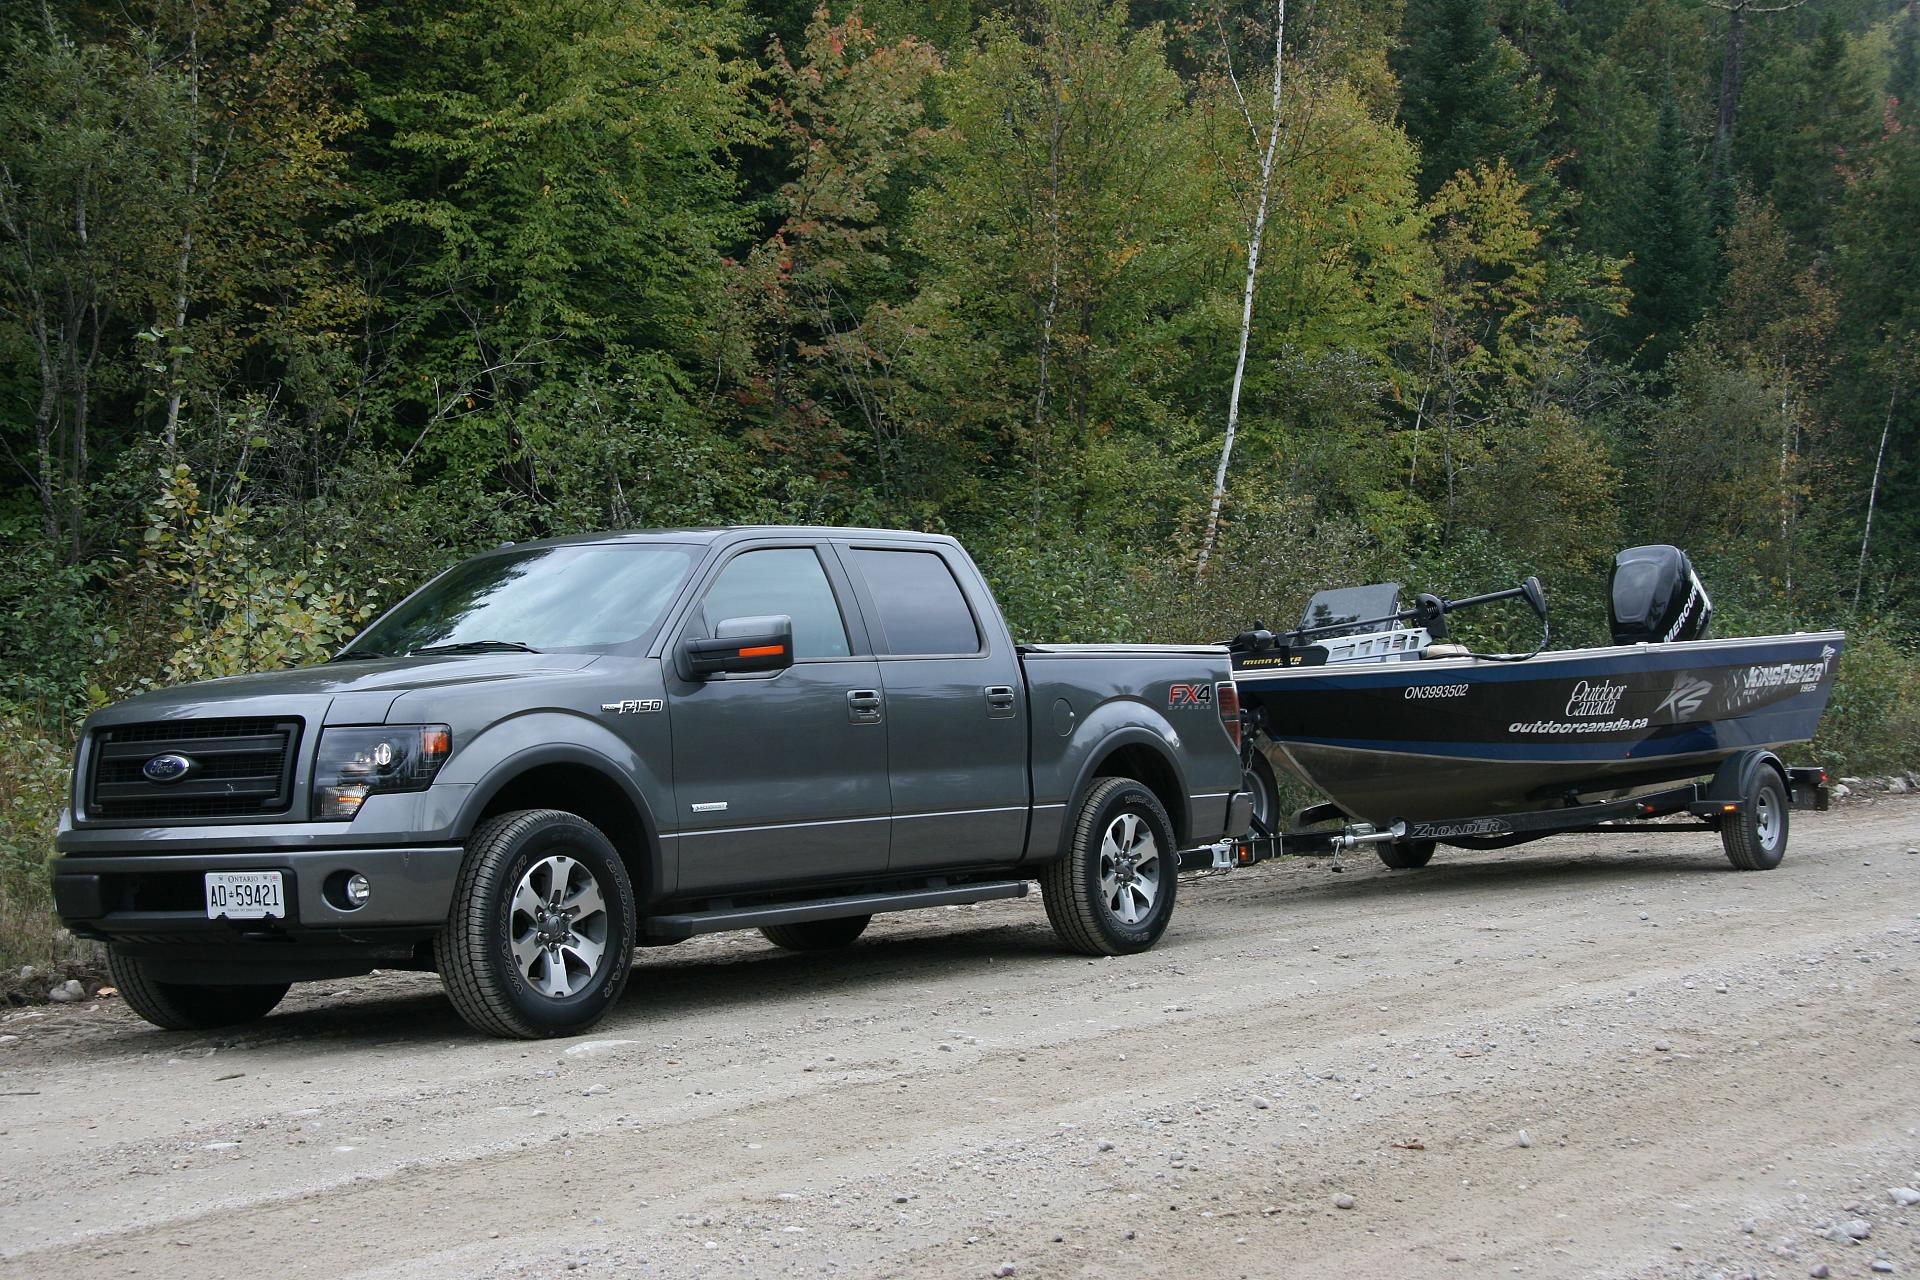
(1756, 837)
(540, 938)
(190, 1006)
(1112, 894)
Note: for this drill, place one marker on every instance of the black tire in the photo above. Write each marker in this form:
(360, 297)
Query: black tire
(190, 1006)
(1756, 837)
(1083, 916)
(816, 935)
(1406, 855)
(1265, 789)
(476, 951)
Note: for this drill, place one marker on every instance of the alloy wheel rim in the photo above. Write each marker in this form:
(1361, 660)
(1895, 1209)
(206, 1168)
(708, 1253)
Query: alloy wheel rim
(558, 927)
(1130, 868)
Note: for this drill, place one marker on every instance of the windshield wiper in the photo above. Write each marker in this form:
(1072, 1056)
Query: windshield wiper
(358, 655)
(476, 646)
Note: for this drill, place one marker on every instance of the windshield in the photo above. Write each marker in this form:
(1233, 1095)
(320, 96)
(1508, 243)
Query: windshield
(593, 596)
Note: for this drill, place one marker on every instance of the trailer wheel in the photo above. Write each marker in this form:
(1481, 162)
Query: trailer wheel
(1112, 894)
(816, 935)
(1405, 855)
(1756, 837)
(1265, 789)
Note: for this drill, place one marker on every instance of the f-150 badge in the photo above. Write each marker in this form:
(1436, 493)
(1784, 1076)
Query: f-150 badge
(633, 706)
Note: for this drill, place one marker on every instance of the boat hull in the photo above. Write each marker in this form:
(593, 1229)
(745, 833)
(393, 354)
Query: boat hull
(1463, 737)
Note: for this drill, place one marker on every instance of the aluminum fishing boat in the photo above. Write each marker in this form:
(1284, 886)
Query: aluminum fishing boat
(1369, 703)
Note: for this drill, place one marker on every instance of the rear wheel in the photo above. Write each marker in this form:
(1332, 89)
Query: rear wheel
(1756, 837)
(816, 935)
(1112, 894)
(190, 1006)
(1405, 855)
(540, 938)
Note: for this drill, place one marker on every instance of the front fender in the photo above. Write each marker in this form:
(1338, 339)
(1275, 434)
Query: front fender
(508, 748)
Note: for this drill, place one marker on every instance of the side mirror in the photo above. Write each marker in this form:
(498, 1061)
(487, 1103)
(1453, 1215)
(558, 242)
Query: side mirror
(741, 645)
(1536, 596)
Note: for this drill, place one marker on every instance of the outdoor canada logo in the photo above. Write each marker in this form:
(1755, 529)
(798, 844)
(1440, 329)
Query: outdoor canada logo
(1593, 698)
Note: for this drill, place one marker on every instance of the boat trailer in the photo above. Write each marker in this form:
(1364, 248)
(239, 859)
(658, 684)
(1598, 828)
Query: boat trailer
(1729, 794)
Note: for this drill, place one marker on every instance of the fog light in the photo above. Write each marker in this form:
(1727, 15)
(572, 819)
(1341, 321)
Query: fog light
(358, 890)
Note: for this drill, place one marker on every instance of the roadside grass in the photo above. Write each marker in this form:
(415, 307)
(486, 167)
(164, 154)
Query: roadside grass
(33, 787)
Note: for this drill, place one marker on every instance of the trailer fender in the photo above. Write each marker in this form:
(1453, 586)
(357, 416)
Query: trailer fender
(1733, 780)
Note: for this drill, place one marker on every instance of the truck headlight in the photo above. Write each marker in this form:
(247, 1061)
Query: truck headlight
(355, 763)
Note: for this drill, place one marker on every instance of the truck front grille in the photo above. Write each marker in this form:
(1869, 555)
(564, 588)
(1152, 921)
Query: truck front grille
(236, 768)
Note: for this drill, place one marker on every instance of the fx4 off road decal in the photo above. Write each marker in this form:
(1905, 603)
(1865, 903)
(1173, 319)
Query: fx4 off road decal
(1189, 695)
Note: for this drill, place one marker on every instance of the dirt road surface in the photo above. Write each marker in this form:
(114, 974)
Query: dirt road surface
(1716, 1074)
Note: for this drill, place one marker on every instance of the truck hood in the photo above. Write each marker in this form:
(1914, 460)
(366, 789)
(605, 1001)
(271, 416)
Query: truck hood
(355, 692)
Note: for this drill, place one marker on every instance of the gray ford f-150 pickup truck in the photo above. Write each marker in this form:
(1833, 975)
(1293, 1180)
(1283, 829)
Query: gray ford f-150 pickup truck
(559, 750)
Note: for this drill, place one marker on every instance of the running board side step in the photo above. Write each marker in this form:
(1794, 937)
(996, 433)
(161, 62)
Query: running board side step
(676, 928)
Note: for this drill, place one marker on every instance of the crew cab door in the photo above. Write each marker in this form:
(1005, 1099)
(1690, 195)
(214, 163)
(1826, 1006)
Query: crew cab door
(956, 706)
(779, 777)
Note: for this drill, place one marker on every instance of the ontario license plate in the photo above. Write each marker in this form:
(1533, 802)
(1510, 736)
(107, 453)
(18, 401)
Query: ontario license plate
(245, 895)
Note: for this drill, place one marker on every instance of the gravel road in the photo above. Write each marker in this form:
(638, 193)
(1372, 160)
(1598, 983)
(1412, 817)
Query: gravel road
(1598, 1057)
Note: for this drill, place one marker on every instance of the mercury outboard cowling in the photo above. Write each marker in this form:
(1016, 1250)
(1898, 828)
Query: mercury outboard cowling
(1656, 597)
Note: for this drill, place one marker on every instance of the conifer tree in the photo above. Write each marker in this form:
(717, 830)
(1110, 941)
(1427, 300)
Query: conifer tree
(1672, 270)
(1469, 97)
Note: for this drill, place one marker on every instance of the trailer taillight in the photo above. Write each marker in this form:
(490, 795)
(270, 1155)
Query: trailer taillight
(1226, 696)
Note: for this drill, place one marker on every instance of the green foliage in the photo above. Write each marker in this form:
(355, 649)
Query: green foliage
(232, 610)
(1060, 283)
(1872, 724)
(33, 789)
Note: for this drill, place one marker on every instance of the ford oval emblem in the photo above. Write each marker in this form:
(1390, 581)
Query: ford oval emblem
(166, 768)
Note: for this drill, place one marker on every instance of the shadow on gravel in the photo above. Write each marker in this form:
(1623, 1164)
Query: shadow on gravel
(1514, 873)
(406, 1010)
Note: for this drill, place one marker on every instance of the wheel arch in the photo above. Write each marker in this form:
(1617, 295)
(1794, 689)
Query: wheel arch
(1143, 756)
(581, 782)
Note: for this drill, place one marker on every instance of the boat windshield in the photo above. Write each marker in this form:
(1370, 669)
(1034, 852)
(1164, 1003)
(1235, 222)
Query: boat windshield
(581, 597)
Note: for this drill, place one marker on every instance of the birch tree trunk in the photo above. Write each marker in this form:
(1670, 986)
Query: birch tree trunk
(1258, 232)
(1873, 493)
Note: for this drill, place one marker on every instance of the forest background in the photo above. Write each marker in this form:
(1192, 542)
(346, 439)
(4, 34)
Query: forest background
(301, 300)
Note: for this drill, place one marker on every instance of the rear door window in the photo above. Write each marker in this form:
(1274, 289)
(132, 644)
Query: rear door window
(922, 609)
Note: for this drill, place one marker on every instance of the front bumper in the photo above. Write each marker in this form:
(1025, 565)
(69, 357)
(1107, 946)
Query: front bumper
(157, 898)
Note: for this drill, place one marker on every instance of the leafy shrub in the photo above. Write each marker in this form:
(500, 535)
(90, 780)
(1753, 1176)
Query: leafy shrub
(1872, 723)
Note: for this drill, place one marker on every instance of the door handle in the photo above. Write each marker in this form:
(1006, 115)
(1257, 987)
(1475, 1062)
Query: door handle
(863, 706)
(999, 700)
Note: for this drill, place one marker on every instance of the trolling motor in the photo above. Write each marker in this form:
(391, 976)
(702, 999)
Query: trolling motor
(1405, 632)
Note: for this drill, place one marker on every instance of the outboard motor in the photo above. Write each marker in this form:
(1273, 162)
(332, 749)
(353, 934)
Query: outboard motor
(1657, 597)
